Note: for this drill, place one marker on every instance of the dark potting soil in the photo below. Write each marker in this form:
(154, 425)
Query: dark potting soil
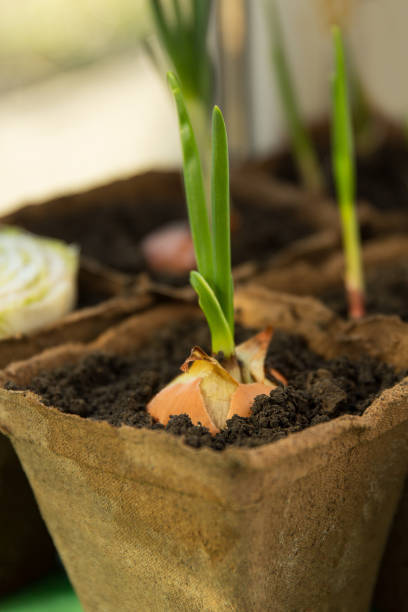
(112, 234)
(117, 388)
(386, 292)
(87, 298)
(382, 176)
(91, 294)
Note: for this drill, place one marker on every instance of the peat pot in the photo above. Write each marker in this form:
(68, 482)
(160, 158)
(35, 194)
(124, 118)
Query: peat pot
(153, 524)
(381, 176)
(26, 550)
(386, 268)
(270, 222)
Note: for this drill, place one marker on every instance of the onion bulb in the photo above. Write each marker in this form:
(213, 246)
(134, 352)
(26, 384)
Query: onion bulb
(37, 281)
(209, 393)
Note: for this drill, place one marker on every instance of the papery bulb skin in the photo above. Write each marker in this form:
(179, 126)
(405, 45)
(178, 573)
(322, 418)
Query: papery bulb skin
(207, 393)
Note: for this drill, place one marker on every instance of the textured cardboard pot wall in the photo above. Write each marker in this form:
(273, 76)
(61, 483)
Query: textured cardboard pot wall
(155, 525)
(391, 592)
(374, 221)
(314, 274)
(26, 550)
(311, 277)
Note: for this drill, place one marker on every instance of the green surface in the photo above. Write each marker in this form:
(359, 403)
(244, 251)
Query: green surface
(53, 594)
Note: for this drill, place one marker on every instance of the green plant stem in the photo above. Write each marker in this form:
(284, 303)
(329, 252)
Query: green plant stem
(182, 28)
(304, 151)
(222, 339)
(212, 242)
(354, 276)
(194, 187)
(221, 219)
(201, 122)
(345, 179)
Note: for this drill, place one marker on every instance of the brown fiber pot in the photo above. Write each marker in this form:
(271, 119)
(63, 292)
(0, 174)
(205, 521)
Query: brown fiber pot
(375, 222)
(155, 525)
(26, 550)
(150, 190)
(391, 591)
(314, 277)
(315, 274)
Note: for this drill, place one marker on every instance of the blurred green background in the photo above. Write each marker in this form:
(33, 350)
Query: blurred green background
(53, 594)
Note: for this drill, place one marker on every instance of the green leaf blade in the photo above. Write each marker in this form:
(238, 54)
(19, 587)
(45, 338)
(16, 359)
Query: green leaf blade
(342, 136)
(194, 188)
(345, 179)
(221, 223)
(221, 337)
(162, 26)
(183, 34)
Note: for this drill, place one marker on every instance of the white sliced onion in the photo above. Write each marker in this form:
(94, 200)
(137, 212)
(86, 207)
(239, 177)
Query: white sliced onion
(38, 281)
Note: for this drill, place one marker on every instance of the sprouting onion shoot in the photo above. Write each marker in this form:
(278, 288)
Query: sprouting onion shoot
(182, 28)
(345, 180)
(213, 280)
(304, 152)
(211, 390)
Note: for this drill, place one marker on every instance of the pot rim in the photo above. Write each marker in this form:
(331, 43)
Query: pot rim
(377, 419)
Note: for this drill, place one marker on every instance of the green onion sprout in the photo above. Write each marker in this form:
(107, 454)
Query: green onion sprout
(345, 180)
(183, 35)
(213, 281)
(303, 149)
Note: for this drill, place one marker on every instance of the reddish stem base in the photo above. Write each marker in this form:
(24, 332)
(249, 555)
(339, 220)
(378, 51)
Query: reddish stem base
(356, 303)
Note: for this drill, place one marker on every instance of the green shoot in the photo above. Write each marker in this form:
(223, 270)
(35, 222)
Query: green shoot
(194, 186)
(303, 149)
(183, 35)
(213, 282)
(222, 339)
(345, 180)
(221, 221)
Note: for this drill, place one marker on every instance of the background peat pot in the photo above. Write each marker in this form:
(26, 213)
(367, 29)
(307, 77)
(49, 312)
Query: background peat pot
(122, 213)
(391, 593)
(104, 299)
(299, 524)
(381, 178)
(386, 269)
(26, 549)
